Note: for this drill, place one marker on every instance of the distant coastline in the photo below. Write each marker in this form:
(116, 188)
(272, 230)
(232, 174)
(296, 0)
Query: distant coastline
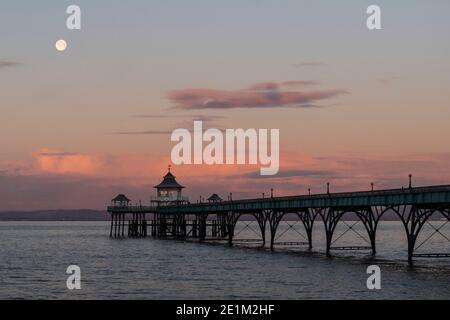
(55, 215)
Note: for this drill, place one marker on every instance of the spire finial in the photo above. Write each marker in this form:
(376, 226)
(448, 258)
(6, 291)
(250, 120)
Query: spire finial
(169, 167)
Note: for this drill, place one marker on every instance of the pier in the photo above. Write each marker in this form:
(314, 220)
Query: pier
(171, 216)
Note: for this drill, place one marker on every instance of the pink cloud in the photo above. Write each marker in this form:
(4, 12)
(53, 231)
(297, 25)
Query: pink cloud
(265, 86)
(67, 163)
(8, 63)
(260, 95)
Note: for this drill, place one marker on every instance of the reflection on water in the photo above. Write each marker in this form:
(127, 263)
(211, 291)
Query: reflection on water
(34, 257)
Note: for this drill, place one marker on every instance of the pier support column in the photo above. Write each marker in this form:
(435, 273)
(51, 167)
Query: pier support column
(119, 225)
(413, 218)
(201, 219)
(135, 227)
(116, 225)
(162, 226)
(141, 225)
(158, 225)
(214, 228)
(123, 225)
(112, 225)
(307, 217)
(222, 220)
(330, 217)
(183, 227)
(230, 232)
(154, 221)
(274, 218)
(261, 217)
(144, 226)
(370, 221)
(179, 225)
(130, 222)
(195, 228)
(131, 225)
(231, 218)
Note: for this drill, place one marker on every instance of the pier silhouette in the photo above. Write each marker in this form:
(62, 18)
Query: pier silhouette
(171, 216)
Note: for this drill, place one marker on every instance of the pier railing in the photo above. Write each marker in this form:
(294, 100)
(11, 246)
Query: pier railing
(406, 196)
(132, 209)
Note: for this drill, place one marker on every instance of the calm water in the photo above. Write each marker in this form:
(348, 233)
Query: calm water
(34, 257)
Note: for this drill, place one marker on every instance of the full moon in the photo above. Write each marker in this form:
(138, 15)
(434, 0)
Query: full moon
(61, 45)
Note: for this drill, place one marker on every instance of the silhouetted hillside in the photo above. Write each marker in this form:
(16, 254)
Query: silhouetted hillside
(55, 215)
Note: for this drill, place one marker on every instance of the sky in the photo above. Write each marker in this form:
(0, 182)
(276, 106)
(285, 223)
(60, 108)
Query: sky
(353, 106)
